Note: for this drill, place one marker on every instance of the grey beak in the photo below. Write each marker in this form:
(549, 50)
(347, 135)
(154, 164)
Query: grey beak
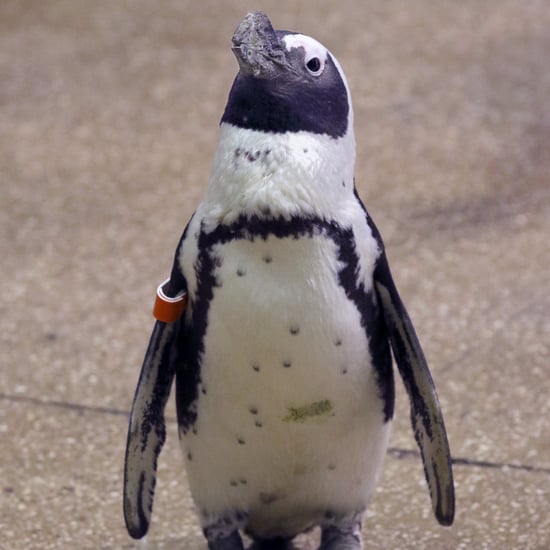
(257, 47)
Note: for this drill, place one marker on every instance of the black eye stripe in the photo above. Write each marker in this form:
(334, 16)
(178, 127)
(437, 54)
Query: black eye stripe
(317, 103)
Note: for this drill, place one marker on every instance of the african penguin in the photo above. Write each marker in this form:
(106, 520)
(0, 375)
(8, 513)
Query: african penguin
(282, 357)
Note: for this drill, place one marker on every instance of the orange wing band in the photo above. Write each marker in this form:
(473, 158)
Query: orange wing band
(167, 309)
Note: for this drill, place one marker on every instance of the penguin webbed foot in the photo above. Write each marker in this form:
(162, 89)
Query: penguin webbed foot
(273, 544)
(232, 542)
(333, 538)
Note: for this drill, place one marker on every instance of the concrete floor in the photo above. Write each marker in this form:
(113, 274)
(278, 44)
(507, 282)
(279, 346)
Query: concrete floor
(108, 122)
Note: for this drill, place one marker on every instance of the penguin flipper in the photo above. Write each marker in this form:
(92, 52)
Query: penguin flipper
(426, 415)
(147, 431)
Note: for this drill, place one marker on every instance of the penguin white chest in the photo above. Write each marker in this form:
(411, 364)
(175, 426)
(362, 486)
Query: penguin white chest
(288, 413)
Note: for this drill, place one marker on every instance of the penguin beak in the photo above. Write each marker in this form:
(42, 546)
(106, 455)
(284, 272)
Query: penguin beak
(257, 47)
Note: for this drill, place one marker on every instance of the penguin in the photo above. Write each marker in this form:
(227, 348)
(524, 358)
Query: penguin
(283, 316)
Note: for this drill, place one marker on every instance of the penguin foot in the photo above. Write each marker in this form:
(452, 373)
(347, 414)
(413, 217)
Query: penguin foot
(333, 538)
(222, 530)
(273, 544)
(232, 542)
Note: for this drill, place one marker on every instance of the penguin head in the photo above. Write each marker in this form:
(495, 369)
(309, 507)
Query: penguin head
(287, 82)
(286, 145)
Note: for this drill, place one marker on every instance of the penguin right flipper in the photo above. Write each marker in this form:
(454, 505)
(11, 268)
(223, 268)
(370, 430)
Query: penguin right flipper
(147, 431)
(426, 416)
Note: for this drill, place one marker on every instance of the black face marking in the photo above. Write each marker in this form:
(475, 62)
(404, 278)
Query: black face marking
(241, 441)
(267, 259)
(251, 228)
(189, 457)
(287, 364)
(234, 483)
(332, 467)
(243, 481)
(294, 330)
(253, 410)
(344, 370)
(291, 100)
(338, 342)
(258, 424)
(241, 272)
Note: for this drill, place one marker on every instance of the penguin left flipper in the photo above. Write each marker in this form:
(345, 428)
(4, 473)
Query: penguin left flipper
(147, 431)
(426, 416)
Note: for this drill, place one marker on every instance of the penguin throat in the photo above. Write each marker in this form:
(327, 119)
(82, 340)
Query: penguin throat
(260, 174)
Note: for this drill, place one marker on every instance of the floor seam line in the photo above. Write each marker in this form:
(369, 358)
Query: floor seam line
(396, 452)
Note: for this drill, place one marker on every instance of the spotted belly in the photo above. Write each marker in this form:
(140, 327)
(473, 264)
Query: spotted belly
(289, 421)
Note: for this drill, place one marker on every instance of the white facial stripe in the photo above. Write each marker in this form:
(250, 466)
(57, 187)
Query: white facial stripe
(310, 45)
(316, 49)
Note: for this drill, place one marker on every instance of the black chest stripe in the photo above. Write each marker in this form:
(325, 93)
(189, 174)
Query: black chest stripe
(189, 381)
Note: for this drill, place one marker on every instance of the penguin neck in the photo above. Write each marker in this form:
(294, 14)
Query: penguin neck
(279, 175)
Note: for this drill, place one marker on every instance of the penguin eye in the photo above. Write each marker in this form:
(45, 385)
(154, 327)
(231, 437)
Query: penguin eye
(315, 66)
